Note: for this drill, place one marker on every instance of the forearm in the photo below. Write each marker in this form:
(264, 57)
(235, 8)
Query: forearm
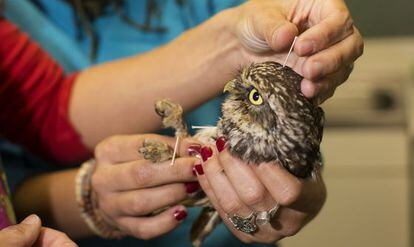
(118, 97)
(52, 197)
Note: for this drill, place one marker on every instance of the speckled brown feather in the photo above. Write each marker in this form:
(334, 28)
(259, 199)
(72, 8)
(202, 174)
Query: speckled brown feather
(286, 129)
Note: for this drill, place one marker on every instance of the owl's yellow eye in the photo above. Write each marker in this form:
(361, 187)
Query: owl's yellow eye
(255, 97)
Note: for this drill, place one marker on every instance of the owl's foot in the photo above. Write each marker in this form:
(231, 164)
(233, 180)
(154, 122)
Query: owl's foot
(156, 151)
(172, 116)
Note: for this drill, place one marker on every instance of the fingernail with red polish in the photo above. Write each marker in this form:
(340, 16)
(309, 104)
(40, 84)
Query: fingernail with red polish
(179, 215)
(221, 143)
(199, 169)
(192, 187)
(206, 153)
(194, 172)
(194, 149)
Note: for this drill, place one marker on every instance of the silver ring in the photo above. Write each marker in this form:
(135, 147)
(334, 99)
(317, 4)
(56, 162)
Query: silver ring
(264, 217)
(246, 225)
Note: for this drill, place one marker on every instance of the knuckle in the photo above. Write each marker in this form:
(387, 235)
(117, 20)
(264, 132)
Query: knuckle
(178, 193)
(107, 206)
(106, 148)
(290, 194)
(230, 206)
(344, 15)
(290, 231)
(349, 24)
(143, 175)
(254, 196)
(327, 38)
(138, 204)
(337, 61)
(98, 181)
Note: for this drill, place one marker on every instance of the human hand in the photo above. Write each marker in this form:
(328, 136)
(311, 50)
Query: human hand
(234, 187)
(129, 188)
(31, 233)
(327, 46)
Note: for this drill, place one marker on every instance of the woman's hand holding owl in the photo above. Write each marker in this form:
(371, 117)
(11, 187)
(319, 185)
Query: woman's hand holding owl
(128, 188)
(236, 188)
(327, 46)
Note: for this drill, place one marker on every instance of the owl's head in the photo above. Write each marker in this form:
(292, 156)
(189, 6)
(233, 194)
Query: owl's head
(267, 118)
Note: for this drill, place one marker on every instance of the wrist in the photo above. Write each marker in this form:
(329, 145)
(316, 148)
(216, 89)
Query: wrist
(229, 50)
(89, 206)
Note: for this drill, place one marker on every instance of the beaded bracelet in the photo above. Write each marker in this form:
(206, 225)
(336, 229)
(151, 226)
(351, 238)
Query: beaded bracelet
(88, 204)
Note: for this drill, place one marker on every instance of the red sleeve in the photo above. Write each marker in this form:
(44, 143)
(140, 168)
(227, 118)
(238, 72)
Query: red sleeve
(34, 99)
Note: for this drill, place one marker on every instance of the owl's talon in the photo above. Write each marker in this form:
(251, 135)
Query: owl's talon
(172, 116)
(156, 151)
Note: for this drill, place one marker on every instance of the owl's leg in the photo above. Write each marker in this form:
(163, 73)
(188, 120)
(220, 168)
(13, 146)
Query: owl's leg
(204, 225)
(172, 116)
(156, 151)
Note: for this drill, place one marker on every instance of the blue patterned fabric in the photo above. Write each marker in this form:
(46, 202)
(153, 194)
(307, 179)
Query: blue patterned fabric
(51, 23)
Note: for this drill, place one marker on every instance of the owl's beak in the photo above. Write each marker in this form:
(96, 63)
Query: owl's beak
(229, 87)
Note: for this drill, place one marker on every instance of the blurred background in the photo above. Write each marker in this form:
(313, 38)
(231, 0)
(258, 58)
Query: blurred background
(368, 141)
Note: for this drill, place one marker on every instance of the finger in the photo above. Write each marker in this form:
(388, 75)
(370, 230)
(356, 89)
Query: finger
(331, 29)
(145, 201)
(143, 174)
(288, 190)
(205, 185)
(269, 30)
(23, 234)
(223, 190)
(187, 146)
(246, 184)
(287, 222)
(124, 148)
(151, 227)
(52, 238)
(332, 59)
(324, 88)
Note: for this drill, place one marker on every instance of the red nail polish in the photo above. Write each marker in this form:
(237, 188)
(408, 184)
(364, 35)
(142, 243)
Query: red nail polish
(192, 187)
(179, 215)
(194, 149)
(199, 169)
(206, 153)
(221, 143)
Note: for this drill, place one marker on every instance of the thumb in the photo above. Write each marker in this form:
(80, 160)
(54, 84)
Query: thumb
(269, 31)
(50, 237)
(23, 234)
